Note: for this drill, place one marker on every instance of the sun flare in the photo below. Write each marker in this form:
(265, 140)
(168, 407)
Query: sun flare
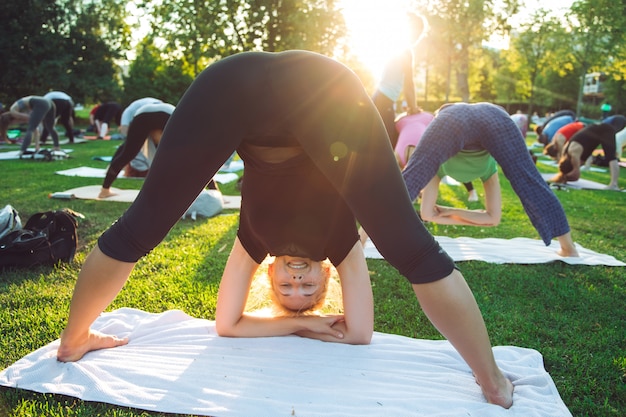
(377, 30)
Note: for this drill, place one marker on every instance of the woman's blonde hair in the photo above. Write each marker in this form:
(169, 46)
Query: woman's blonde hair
(262, 298)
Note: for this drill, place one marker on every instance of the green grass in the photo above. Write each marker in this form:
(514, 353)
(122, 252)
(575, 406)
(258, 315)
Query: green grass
(574, 315)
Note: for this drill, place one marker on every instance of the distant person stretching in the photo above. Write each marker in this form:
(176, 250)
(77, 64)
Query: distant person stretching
(398, 77)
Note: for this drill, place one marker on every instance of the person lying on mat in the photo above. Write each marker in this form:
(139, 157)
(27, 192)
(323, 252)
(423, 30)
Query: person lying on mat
(145, 128)
(581, 146)
(313, 167)
(33, 110)
(466, 142)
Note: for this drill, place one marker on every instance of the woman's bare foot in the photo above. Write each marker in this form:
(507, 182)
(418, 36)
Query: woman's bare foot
(568, 248)
(71, 351)
(106, 193)
(568, 253)
(501, 394)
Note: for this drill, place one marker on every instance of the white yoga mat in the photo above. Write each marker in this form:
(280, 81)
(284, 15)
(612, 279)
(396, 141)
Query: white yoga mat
(519, 250)
(4, 156)
(90, 172)
(553, 163)
(581, 184)
(90, 192)
(177, 364)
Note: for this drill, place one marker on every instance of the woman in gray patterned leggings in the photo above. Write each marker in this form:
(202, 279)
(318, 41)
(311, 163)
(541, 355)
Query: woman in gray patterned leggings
(467, 138)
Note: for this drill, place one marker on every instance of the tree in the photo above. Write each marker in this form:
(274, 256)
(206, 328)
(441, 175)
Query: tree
(467, 24)
(199, 31)
(597, 29)
(67, 45)
(535, 47)
(150, 75)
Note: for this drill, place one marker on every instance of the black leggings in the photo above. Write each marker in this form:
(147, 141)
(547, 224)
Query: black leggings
(272, 101)
(385, 108)
(65, 116)
(138, 132)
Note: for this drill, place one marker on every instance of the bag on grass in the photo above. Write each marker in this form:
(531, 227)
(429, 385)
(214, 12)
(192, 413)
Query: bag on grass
(9, 220)
(47, 238)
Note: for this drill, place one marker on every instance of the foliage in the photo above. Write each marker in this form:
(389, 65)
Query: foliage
(201, 31)
(150, 75)
(66, 45)
(465, 25)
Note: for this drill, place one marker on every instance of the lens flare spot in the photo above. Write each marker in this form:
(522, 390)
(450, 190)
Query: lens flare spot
(338, 150)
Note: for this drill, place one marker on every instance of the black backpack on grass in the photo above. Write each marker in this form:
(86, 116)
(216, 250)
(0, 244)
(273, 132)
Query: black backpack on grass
(46, 239)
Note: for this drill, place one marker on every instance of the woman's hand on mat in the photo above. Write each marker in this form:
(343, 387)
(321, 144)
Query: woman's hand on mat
(73, 350)
(106, 193)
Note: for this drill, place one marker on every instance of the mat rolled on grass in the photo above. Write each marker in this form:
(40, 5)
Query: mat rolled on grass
(175, 363)
(518, 250)
(90, 192)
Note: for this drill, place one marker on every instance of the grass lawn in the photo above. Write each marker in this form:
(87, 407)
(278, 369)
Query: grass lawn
(574, 315)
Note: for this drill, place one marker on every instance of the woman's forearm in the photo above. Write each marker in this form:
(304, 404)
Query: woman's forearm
(451, 215)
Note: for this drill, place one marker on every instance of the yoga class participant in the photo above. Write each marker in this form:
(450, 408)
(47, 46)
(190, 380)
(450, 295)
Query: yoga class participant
(397, 79)
(33, 110)
(147, 125)
(64, 114)
(129, 112)
(581, 146)
(410, 128)
(465, 141)
(317, 159)
(560, 138)
(103, 115)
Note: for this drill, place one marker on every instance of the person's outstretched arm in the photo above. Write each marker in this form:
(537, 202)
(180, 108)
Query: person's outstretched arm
(99, 281)
(431, 211)
(232, 321)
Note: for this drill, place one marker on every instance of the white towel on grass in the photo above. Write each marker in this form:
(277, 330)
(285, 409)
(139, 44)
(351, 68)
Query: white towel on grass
(519, 250)
(9, 155)
(581, 184)
(90, 192)
(177, 364)
(90, 172)
(553, 163)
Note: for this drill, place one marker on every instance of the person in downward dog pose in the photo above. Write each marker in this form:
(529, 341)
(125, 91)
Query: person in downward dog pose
(582, 144)
(310, 168)
(467, 141)
(64, 113)
(34, 110)
(147, 125)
